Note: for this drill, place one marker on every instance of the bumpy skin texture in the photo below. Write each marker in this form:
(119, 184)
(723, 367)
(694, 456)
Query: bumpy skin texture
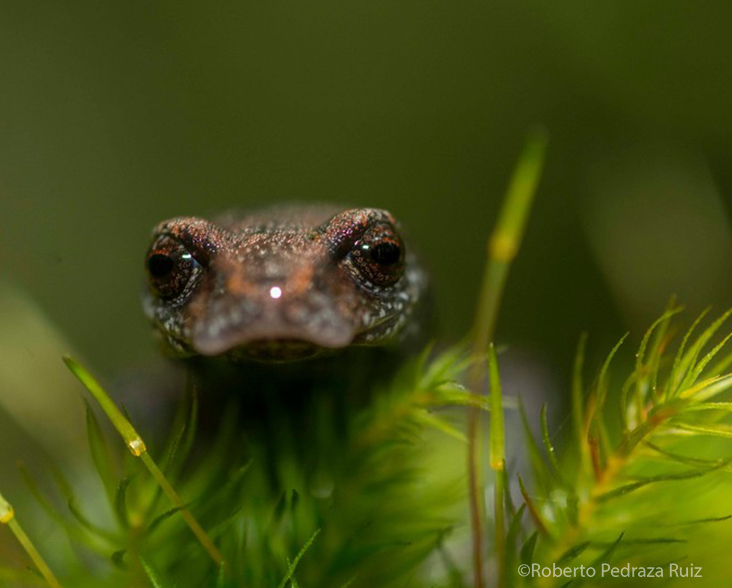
(282, 283)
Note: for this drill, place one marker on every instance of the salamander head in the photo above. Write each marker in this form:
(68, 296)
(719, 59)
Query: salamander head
(280, 284)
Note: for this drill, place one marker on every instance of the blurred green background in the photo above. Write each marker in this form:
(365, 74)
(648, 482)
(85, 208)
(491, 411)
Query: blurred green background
(115, 115)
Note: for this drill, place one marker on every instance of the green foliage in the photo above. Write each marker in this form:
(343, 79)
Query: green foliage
(359, 508)
(625, 490)
(367, 502)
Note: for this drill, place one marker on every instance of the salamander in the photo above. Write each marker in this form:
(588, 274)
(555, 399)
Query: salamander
(281, 284)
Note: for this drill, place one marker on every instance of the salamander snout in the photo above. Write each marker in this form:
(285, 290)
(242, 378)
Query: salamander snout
(291, 315)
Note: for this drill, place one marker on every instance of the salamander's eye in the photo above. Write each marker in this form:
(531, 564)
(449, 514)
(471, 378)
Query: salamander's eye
(160, 265)
(386, 253)
(171, 268)
(379, 255)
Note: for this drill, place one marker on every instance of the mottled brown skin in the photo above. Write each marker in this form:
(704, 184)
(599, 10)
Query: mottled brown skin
(282, 283)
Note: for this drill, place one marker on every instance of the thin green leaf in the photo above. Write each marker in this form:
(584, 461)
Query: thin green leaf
(628, 488)
(655, 418)
(190, 429)
(221, 576)
(625, 406)
(548, 447)
(137, 447)
(683, 458)
(293, 580)
(679, 369)
(605, 556)
(540, 469)
(155, 578)
(720, 366)
(659, 344)
(721, 430)
(120, 502)
(221, 498)
(101, 453)
(74, 532)
(723, 406)
(573, 552)
(699, 368)
(9, 520)
(156, 522)
(578, 403)
(510, 508)
(621, 491)
(602, 381)
(645, 541)
(168, 457)
(173, 456)
(705, 521)
(222, 524)
(641, 368)
(708, 388)
(131, 438)
(293, 566)
(445, 367)
(349, 582)
(599, 443)
(497, 434)
(514, 528)
(527, 549)
(88, 525)
(61, 482)
(452, 394)
(533, 511)
(430, 420)
(689, 361)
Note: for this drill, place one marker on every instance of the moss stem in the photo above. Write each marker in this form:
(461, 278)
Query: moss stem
(7, 517)
(503, 245)
(137, 447)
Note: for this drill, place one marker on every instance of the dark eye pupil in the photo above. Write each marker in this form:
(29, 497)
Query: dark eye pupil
(386, 253)
(160, 265)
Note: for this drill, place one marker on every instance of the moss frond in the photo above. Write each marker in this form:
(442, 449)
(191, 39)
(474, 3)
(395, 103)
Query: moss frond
(628, 499)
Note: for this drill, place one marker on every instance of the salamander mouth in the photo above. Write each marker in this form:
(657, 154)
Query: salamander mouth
(277, 351)
(274, 336)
